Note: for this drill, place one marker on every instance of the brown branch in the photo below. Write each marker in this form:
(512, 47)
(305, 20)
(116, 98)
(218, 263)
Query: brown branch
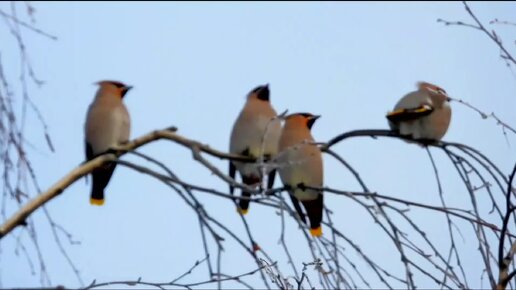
(169, 134)
(19, 217)
(84, 169)
(324, 250)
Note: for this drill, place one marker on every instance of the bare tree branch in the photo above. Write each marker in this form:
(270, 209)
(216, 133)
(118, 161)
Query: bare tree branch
(485, 116)
(505, 54)
(505, 261)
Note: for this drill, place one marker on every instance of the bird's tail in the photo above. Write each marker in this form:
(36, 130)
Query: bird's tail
(317, 232)
(243, 204)
(314, 210)
(100, 180)
(97, 196)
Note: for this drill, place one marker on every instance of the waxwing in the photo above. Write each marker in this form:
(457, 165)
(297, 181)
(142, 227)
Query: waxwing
(300, 165)
(255, 134)
(423, 114)
(107, 125)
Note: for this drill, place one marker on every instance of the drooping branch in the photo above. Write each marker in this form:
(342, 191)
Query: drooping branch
(331, 254)
(463, 160)
(504, 262)
(382, 209)
(16, 105)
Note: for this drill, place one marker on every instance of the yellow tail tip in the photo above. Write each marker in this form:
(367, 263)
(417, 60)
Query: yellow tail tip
(242, 211)
(316, 232)
(98, 202)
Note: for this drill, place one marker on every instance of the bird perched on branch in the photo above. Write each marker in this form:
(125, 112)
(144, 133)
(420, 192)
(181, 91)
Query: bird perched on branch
(301, 166)
(107, 125)
(255, 134)
(422, 114)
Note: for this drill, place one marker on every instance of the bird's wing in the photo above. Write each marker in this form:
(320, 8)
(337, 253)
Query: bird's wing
(232, 173)
(407, 114)
(297, 206)
(89, 151)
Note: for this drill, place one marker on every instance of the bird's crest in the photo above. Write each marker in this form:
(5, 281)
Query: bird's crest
(431, 87)
(262, 92)
(115, 83)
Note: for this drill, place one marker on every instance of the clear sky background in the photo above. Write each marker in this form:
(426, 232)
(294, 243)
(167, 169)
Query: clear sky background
(192, 64)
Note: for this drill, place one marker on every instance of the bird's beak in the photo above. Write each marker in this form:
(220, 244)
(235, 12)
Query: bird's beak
(125, 90)
(311, 121)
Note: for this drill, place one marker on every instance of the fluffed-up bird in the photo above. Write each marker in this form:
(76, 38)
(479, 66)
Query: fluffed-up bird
(423, 114)
(301, 166)
(255, 134)
(107, 125)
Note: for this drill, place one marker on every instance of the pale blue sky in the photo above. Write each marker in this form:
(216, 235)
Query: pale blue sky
(191, 65)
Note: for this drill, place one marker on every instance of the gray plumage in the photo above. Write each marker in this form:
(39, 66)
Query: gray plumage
(422, 114)
(301, 165)
(107, 125)
(255, 134)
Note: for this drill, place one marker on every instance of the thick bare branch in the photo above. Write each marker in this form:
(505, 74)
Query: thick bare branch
(379, 207)
(21, 215)
(168, 134)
